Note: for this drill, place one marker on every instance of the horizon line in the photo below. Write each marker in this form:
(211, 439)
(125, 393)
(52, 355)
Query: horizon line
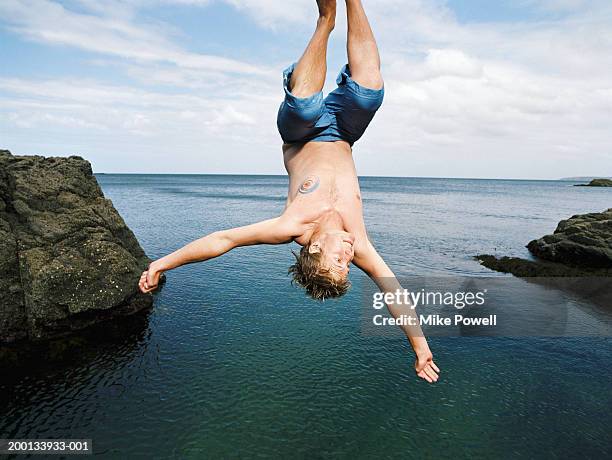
(564, 179)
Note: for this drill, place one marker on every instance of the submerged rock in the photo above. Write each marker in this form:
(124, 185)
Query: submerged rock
(67, 258)
(528, 268)
(597, 183)
(580, 246)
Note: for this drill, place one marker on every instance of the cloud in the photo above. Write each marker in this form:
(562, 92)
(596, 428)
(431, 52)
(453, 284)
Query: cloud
(451, 63)
(115, 104)
(48, 22)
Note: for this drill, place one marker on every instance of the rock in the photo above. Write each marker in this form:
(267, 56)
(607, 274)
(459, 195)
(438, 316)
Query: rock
(576, 258)
(67, 258)
(583, 241)
(597, 183)
(580, 246)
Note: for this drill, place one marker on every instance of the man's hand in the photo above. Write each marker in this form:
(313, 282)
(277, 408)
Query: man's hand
(149, 280)
(425, 367)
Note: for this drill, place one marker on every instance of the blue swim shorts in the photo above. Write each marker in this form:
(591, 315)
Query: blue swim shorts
(344, 114)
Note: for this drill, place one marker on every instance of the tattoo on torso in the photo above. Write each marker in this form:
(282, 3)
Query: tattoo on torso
(309, 185)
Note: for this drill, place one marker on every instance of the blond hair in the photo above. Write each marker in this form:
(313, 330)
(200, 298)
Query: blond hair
(319, 282)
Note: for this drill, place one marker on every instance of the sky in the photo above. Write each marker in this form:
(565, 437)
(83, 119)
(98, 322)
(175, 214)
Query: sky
(474, 88)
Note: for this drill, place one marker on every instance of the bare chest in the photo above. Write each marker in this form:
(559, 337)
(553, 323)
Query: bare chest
(315, 195)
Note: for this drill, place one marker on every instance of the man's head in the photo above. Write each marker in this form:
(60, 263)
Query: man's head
(322, 265)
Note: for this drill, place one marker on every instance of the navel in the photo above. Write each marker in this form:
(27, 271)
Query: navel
(309, 185)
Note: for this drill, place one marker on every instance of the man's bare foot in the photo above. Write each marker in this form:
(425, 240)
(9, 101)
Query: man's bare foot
(327, 11)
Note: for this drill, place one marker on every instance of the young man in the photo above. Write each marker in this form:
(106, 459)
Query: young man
(323, 212)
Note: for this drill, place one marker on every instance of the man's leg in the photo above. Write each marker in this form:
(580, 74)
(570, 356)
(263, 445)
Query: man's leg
(363, 57)
(309, 74)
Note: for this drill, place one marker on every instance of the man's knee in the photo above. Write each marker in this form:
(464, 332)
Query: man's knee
(303, 90)
(369, 78)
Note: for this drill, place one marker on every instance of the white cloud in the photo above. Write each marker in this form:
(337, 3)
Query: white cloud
(230, 116)
(271, 13)
(48, 22)
(451, 63)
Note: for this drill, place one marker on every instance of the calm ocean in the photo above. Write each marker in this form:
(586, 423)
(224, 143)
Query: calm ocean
(235, 362)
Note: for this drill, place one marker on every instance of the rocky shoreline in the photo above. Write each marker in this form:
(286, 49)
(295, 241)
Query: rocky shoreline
(581, 246)
(67, 258)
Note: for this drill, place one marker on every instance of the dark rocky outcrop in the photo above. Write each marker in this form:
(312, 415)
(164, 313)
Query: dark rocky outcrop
(597, 183)
(583, 241)
(576, 258)
(67, 259)
(528, 268)
(580, 247)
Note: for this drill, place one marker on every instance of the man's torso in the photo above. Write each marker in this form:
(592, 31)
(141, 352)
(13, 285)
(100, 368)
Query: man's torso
(322, 177)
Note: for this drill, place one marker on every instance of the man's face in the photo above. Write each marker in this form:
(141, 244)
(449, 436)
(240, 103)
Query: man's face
(336, 250)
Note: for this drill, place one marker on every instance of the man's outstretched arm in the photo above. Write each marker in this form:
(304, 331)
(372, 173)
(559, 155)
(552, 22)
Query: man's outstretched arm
(368, 260)
(272, 231)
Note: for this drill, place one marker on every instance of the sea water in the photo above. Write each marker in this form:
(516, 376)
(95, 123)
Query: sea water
(233, 361)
